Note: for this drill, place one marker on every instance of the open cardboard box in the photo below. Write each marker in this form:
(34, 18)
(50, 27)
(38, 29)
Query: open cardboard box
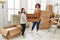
(11, 31)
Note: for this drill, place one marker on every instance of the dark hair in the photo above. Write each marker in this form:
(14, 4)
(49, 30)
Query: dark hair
(22, 10)
(37, 5)
(18, 11)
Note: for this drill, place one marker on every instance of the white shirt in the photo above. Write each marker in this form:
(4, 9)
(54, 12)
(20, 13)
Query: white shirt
(23, 18)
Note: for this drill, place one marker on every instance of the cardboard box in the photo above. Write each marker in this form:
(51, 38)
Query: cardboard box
(11, 31)
(58, 25)
(45, 25)
(49, 8)
(56, 16)
(45, 19)
(15, 19)
(54, 21)
(27, 24)
(45, 14)
(32, 17)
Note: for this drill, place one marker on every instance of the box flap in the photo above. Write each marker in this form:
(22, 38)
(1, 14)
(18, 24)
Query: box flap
(4, 32)
(9, 26)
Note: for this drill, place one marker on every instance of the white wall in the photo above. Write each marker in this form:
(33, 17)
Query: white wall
(38, 1)
(56, 9)
(24, 4)
(3, 14)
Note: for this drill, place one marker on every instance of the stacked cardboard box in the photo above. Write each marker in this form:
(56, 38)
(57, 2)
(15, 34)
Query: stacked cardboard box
(49, 8)
(15, 19)
(11, 31)
(45, 20)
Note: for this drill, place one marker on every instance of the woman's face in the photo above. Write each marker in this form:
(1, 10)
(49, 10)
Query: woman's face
(23, 10)
(37, 6)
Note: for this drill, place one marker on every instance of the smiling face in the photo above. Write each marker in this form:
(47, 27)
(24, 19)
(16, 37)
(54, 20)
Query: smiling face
(23, 10)
(37, 6)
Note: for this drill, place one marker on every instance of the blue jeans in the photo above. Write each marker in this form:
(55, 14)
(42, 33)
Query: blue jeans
(37, 25)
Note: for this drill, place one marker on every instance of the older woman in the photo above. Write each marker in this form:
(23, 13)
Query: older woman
(37, 11)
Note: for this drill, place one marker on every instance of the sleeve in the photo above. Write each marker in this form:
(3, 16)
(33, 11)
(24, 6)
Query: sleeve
(34, 11)
(40, 15)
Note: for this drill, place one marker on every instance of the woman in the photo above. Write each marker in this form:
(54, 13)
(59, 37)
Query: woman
(23, 20)
(37, 11)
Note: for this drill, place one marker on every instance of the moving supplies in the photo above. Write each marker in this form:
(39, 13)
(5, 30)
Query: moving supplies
(15, 19)
(32, 17)
(27, 24)
(11, 31)
(58, 25)
(45, 20)
(49, 8)
(45, 25)
(54, 21)
(45, 14)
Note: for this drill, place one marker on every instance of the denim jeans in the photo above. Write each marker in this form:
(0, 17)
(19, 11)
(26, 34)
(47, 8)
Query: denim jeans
(37, 25)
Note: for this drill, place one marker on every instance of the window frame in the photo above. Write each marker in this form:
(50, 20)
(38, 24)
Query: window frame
(14, 9)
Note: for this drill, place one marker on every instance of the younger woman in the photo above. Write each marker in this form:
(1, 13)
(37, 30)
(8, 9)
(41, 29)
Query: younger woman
(23, 20)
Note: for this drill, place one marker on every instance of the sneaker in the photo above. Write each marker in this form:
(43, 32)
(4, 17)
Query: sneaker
(37, 33)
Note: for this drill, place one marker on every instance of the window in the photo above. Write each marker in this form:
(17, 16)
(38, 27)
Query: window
(43, 5)
(31, 5)
(13, 7)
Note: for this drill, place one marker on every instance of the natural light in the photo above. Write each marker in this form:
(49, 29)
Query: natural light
(14, 6)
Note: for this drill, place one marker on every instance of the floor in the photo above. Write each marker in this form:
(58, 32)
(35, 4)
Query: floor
(47, 34)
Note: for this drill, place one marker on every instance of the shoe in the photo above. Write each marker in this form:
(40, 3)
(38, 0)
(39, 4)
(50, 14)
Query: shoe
(24, 37)
(37, 33)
